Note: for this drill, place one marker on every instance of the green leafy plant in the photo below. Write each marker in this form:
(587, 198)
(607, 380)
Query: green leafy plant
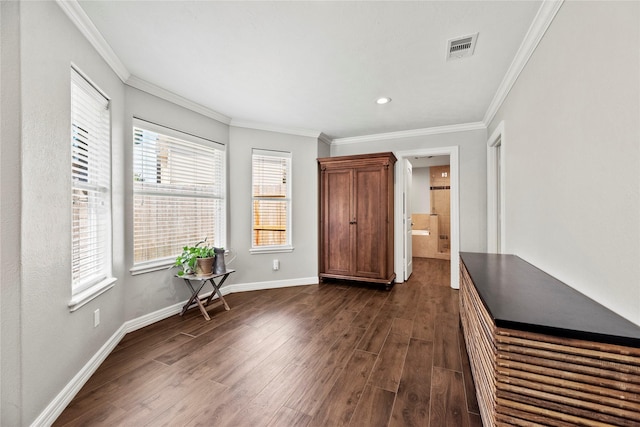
(188, 258)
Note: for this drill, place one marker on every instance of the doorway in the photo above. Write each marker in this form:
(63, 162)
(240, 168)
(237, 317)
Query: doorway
(431, 207)
(402, 256)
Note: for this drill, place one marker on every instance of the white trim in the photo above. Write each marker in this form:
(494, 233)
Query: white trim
(83, 297)
(279, 129)
(155, 265)
(273, 284)
(156, 316)
(145, 86)
(271, 249)
(497, 138)
(325, 138)
(60, 402)
(411, 133)
(538, 28)
(53, 410)
(454, 162)
(78, 16)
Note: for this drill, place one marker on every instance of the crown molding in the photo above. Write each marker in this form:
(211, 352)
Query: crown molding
(325, 138)
(78, 16)
(538, 28)
(280, 129)
(464, 127)
(152, 89)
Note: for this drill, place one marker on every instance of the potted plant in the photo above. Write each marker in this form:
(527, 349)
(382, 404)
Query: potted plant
(196, 259)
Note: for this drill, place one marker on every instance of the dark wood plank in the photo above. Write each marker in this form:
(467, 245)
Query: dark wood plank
(388, 368)
(175, 409)
(339, 406)
(424, 321)
(448, 406)
(266, 404)
(374, 408)
(377, 332)
(101, 415)
(402, 327)
(469, 388)
(289, 418)
(447, 350)
(414, 391)
(322, 372)
(371, 308)
(248, 386)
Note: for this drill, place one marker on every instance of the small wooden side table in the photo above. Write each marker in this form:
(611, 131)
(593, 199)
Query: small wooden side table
(200, 281)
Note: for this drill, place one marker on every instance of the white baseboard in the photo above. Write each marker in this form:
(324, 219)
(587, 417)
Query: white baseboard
(156, 316)
(57, 405)
(60, 402)
(258, 286)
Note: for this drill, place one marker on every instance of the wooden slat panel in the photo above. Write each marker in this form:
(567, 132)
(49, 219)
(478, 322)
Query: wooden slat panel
(615, 398)
(611, 352)
(553, 359)
(478, 333)
(562, 376)
(562, 411)
(547, 400)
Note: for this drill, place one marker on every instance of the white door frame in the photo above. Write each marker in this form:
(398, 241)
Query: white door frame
(495, 218)
(407, 223)
(454, 241)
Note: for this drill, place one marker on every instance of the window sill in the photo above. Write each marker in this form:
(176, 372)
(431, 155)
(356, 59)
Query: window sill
(87, 295)
(271, 249)
(148, 267)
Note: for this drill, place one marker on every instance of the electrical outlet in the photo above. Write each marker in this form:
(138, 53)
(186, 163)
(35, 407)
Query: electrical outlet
(276, 265)
(96, 318)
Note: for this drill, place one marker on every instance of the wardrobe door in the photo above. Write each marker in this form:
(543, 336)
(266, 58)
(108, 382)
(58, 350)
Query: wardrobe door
(336, 217)
(369, 236)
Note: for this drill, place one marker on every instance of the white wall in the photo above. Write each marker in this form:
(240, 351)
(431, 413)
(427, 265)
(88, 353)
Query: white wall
(473, 170)
(54, 341)
(10, 298)
(301, 265)
(324, 150)
(420, 193)
(572, 154)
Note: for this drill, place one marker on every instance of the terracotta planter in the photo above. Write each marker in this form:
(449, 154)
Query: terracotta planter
(204, 266)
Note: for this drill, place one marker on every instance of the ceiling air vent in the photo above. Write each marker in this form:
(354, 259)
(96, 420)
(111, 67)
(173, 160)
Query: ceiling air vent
(461, 47)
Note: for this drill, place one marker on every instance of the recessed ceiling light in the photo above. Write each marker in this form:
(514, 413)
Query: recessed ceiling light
(383, 100)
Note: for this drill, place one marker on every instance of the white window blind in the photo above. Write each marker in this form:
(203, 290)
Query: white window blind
(271, 177)
(178, 192)
(91, 184)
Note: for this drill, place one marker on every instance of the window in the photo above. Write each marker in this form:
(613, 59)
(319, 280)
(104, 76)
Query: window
(178, 194)
(271, 177)
(91, 186)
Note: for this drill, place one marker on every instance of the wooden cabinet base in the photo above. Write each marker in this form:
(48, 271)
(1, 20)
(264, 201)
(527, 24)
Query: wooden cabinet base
(388, 283)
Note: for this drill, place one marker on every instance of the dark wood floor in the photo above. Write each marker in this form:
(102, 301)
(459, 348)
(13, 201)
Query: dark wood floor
(320, 355)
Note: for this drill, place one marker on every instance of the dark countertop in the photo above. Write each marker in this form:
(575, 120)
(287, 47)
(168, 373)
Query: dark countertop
(521, 296)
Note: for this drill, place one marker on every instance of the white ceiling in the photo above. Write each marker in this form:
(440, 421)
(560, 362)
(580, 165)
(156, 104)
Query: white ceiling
(320, 65)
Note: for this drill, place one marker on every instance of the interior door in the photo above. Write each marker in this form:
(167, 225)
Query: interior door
(408, 225)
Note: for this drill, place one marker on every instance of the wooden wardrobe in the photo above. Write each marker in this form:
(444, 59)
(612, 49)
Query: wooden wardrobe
(356, 218)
